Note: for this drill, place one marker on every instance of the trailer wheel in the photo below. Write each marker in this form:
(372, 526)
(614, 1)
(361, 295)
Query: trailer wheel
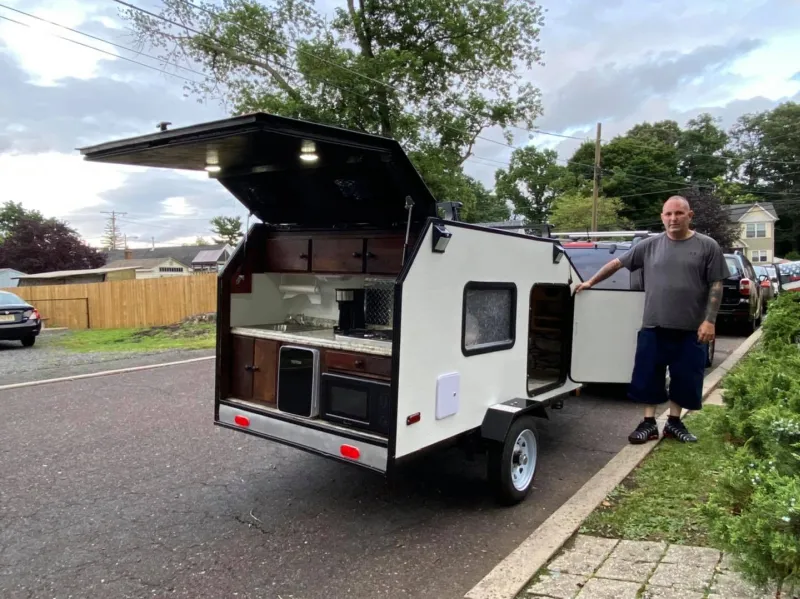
(512, 463)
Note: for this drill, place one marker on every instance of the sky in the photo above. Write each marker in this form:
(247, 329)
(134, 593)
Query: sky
(620, 62)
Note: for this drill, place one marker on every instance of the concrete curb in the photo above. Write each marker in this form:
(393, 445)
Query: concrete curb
(511, 575)
(92, 375)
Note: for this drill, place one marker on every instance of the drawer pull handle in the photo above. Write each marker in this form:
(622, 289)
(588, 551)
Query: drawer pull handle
(304, 256)
(251, 368)
(359, 363)
(371, 255)
(356, 254)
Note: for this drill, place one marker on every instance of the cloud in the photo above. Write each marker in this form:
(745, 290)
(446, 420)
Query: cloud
(613, 90)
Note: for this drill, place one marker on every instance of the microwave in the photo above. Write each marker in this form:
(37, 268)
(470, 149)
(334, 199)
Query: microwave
(356, 402)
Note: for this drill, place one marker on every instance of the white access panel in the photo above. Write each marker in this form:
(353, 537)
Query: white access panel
(604, 332)
(447, 392)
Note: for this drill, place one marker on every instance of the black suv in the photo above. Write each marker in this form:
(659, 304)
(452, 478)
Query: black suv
(742, 296)
(588, 257)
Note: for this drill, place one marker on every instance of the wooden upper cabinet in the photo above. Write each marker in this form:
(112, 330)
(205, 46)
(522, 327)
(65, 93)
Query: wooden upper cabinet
(287, 254)
(384, 255)
(337, 255)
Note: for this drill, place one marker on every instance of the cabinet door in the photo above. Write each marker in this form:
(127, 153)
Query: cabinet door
(265, 377)
(337, 255)
(287, 254)
(604, 334)
(384, 255)
(241, 372)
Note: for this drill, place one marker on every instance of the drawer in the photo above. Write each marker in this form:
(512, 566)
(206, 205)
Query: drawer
(363, 363)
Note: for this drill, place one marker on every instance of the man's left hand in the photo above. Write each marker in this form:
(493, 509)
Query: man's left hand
(706, 332)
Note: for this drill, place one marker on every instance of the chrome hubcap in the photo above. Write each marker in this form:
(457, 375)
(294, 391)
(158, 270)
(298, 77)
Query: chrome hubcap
(523, 460)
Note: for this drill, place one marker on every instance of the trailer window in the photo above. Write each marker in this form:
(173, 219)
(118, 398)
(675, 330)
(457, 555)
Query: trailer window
(488, 318)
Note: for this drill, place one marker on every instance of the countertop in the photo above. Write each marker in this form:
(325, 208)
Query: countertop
(323, 337)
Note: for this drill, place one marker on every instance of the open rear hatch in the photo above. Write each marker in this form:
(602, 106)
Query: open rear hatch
(289, 172)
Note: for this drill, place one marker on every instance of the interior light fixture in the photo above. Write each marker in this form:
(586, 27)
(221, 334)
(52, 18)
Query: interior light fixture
(308, 157)
(213, 168)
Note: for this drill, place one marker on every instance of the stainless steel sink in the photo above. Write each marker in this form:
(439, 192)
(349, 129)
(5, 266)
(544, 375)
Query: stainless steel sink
(290, 327)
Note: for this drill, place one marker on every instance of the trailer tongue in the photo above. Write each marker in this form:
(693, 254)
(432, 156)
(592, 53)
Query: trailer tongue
(356, 324)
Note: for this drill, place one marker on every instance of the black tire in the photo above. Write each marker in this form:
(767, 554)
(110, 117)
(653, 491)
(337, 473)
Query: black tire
(28, 341)
(499, 464)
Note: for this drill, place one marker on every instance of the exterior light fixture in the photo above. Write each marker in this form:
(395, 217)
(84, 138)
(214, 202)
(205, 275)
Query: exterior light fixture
(558, 253)
(441, 237)
(213, 168)
(308, 157)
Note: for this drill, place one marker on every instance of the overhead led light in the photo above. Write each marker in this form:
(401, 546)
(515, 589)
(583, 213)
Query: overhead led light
(309, 157)
(213, 168)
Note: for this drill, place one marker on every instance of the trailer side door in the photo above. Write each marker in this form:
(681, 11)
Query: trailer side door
(604, 332)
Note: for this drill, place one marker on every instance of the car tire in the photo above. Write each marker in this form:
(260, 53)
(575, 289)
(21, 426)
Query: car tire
(28, 341)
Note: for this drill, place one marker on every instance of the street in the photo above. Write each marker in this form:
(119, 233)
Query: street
(119, 486)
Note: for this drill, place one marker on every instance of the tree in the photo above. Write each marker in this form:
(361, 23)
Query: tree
(766, 146)
(112, 236)
(433, 74)
(710, 218)
(572, 211)
(702, 150)
(35, 246)
(11, 214)
(489, 207)
(228, 229)
(531, 182)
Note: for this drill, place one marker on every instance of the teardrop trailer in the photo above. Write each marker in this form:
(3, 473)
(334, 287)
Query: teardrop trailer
(355, 323)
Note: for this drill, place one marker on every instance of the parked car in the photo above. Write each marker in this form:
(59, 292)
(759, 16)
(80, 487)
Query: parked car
(789, 276)
(768, 278)
(19, 321)
(588, 257)
(742, 294)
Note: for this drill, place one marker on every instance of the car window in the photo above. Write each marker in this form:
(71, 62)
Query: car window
(587, 261)
(733, 266)
(9, 299)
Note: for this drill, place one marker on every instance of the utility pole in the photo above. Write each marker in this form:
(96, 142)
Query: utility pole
(113, 234)
(596, 178)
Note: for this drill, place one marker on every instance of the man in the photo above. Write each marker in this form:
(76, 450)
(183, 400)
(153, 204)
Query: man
(683, 273)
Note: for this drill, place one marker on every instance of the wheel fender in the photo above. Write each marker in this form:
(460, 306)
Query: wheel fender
(499, 417)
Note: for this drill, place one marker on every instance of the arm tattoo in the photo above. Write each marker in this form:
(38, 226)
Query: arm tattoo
(714, 300)
(605, 272)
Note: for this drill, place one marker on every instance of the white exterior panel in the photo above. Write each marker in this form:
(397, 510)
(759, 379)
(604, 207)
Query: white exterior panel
(430, 335)
(604, 332)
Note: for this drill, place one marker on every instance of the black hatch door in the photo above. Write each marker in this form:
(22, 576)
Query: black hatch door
(289, 172)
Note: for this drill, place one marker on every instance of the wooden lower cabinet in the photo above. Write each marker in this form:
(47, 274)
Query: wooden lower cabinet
(254, 369)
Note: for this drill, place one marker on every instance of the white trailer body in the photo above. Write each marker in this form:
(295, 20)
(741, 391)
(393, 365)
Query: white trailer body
(355, 323)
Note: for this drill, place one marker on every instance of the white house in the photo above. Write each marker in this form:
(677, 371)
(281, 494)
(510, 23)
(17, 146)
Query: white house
(153, 268)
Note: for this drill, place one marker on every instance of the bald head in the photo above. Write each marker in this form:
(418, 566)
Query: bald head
(677, 201)
(676, 215)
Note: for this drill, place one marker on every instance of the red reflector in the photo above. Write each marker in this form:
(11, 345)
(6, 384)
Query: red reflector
(241, 420)
(351, 452)
(413, 418)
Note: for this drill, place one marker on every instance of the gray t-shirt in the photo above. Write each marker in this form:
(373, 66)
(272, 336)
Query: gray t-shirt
(677, 278)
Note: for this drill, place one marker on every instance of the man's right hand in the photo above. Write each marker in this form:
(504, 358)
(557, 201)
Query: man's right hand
(582, 286)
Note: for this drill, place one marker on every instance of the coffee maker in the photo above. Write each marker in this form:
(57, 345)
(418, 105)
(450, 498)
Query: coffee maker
(351, 309)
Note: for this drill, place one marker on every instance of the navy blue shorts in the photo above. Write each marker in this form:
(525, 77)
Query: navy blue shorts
(657, 349)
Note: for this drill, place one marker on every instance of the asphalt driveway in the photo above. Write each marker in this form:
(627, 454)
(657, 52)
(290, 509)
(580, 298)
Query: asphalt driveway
(120, 486)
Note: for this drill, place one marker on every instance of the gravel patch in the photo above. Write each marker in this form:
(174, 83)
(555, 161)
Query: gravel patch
(46, 360)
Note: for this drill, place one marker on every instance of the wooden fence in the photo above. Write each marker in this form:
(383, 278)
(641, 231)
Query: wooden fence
(123, 304)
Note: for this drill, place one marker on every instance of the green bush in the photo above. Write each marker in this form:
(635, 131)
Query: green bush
(754, 512)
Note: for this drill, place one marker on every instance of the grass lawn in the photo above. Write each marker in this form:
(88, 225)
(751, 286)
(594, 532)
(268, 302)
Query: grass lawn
(659, 500)
(178, 336)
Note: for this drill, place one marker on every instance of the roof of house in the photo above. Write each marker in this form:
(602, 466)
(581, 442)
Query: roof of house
(206, 256)
(182, 253)
(11, 270)
(139, 263)
(737, 211)
(58, 274)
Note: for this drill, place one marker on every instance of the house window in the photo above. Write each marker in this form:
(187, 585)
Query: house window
(488, 321)
(170, 269)
(758, 256)
(756, 229)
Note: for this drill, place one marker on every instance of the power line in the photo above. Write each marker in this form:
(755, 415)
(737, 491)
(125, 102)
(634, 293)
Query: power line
(99, 39)
(101, 50)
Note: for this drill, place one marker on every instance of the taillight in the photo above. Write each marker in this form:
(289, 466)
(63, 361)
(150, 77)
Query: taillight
(241, 420)
(744, 286)
(36, 315)
(31, 314)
